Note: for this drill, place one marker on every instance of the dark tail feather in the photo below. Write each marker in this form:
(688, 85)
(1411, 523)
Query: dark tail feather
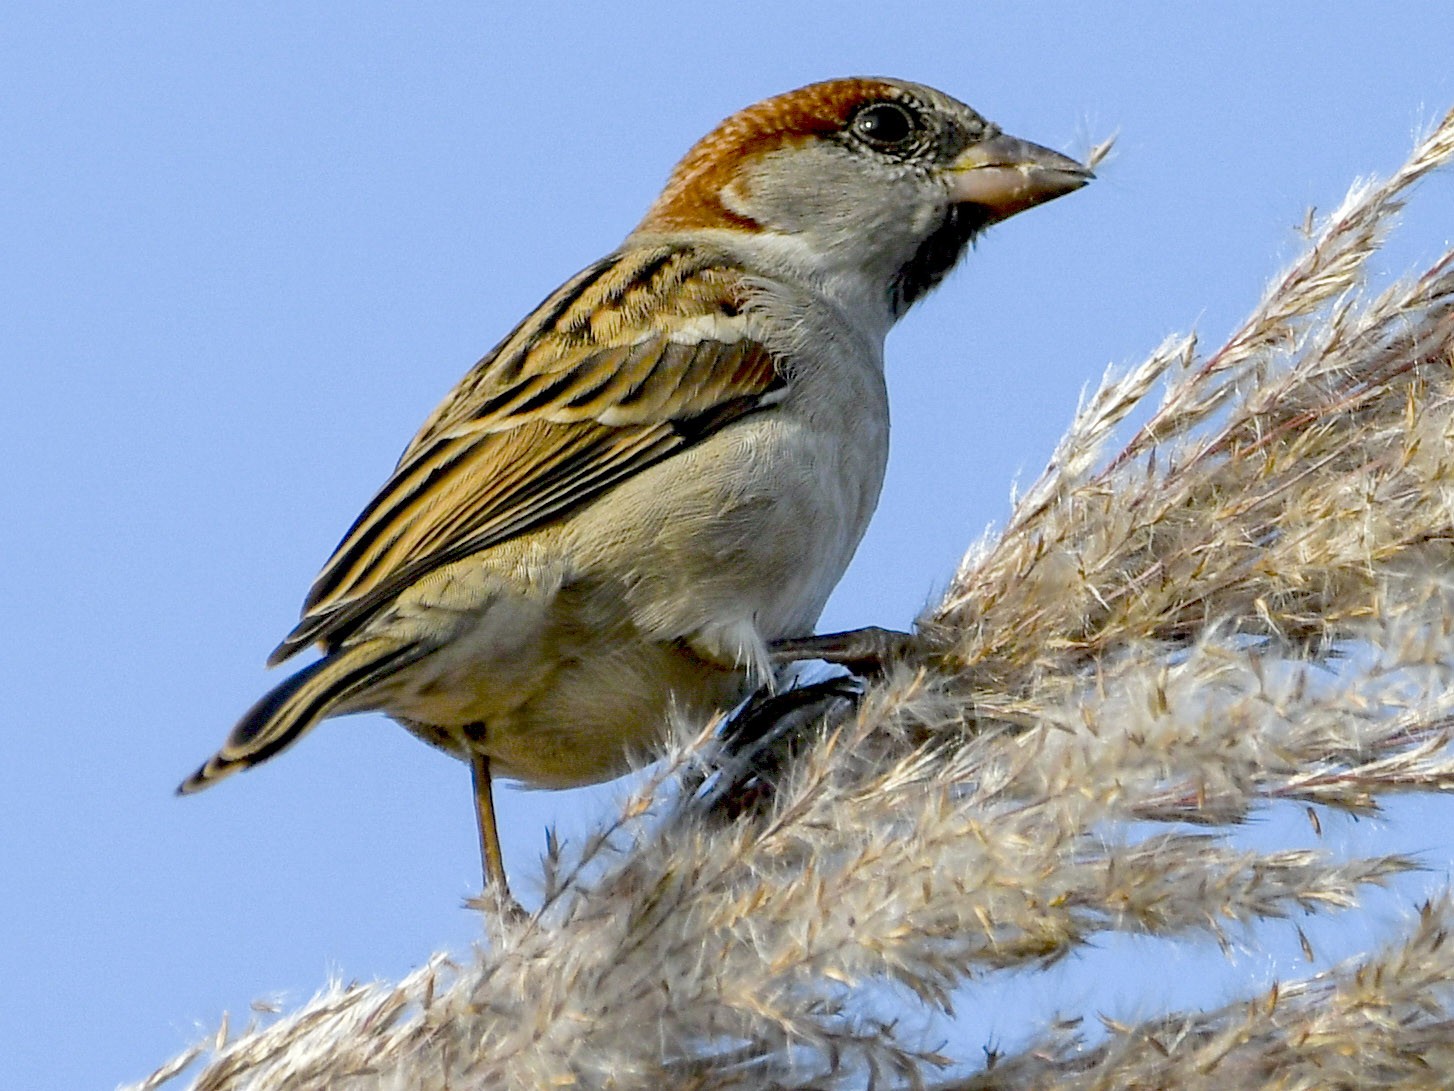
(286, 712)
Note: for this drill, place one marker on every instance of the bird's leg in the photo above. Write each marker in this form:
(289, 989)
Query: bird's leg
(490, 854)
(863, 651)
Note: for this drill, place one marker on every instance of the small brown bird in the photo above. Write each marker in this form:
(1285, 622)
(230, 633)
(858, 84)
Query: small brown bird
(665, 468)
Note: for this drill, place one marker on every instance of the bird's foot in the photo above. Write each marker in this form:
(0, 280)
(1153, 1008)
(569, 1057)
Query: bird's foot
(502, 912)
(866, 652)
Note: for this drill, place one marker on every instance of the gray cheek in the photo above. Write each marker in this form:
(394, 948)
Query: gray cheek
(925, 217)
(852, 213)
(814, 189)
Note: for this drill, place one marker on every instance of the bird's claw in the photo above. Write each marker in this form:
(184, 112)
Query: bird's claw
(866, 652)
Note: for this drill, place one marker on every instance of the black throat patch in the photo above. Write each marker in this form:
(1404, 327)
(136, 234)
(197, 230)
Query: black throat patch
(938, 254)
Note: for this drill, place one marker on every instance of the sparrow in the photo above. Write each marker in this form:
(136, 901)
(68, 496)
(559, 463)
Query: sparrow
(662, 472)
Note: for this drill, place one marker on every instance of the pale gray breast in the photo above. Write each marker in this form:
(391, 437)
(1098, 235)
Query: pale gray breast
(756, 524)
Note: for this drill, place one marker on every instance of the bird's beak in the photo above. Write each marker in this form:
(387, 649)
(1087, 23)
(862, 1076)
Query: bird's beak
(1005, 175)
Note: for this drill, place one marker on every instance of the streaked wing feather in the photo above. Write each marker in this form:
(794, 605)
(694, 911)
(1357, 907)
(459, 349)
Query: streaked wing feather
(534, 440)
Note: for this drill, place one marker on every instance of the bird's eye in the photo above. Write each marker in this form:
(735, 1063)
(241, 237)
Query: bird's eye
(885, 124)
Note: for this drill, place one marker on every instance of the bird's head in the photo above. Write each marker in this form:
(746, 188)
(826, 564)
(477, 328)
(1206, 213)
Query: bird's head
(864, 186)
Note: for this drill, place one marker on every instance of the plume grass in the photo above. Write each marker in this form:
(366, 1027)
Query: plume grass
(1246, 602)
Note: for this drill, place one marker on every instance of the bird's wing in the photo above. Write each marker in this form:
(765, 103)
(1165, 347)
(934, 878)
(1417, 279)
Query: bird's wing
(636, 358)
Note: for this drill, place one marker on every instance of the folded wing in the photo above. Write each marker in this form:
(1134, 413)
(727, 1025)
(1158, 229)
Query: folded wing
(635, 359)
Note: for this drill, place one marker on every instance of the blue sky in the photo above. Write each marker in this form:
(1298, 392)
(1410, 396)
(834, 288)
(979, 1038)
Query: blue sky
(249, 246)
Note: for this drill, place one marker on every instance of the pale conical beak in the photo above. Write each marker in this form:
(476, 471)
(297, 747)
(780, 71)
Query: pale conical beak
(1005, 175)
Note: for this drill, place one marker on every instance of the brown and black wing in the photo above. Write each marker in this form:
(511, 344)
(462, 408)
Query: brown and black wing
(563, 410)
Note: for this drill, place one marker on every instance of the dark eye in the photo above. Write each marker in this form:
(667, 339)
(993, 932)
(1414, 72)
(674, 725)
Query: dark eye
(885, 124)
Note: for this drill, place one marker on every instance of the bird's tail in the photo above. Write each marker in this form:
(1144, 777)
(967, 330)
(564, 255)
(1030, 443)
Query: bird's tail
(287, 711)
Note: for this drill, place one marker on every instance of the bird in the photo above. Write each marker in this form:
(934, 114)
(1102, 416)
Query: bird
(657, 477)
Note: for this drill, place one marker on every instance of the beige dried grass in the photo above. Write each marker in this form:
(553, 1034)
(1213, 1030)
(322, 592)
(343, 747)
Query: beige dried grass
(1249, 602)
